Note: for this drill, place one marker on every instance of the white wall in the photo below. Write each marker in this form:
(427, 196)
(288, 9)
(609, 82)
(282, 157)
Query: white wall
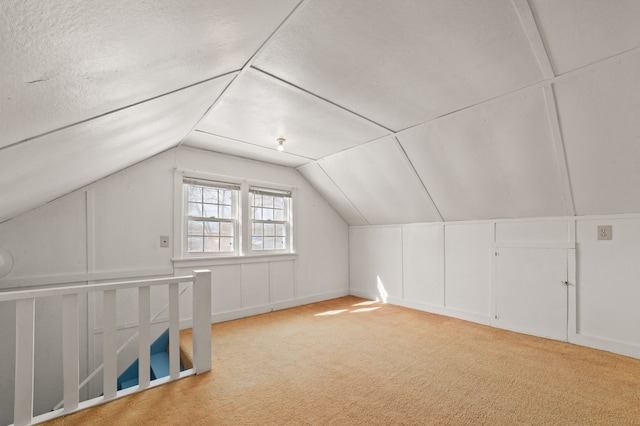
(447, 268)
(111, 230)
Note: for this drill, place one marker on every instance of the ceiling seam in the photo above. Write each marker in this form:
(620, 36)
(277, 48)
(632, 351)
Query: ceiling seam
(345, 195)
(246, 66)
(560, 151)
(417, 176)
(86, 120)
(533, 34)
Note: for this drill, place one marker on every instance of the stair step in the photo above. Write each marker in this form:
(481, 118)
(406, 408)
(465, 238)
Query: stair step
(160, 365)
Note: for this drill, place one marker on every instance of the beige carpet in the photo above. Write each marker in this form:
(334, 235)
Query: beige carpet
(350, 362)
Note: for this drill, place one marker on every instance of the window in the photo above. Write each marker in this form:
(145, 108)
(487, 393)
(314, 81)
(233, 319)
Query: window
(211, 217)
(270, 219)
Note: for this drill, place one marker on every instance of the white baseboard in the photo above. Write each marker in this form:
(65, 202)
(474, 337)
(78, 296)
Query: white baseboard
(615, 346)
(262, 309)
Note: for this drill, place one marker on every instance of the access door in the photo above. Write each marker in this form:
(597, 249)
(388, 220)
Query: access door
(531, 291)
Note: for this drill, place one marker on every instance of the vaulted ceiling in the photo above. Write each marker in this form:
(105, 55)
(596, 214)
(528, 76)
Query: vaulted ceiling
(396, 111)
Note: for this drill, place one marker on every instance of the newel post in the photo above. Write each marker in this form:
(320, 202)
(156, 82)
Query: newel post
(202, 321)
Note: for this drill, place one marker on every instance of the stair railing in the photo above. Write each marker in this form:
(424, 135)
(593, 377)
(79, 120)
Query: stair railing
(25, 340)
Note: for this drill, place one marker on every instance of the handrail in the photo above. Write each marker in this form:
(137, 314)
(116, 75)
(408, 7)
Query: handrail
(25, 334)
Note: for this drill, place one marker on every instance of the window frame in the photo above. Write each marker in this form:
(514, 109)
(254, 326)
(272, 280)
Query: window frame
(287, 195)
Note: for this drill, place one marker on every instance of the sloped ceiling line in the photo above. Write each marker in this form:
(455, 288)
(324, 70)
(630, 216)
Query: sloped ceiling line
(108, 113)
(532, 31)
(417, 176)
(345, 195)
(558, 146)
(248, 64)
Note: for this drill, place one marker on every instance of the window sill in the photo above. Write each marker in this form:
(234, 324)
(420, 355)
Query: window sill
(199, 261)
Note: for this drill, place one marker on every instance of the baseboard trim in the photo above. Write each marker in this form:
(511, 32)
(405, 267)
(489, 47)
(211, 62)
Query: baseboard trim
(608, 345)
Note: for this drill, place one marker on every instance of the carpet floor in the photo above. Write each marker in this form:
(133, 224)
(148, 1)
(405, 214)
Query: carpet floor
(349, 361)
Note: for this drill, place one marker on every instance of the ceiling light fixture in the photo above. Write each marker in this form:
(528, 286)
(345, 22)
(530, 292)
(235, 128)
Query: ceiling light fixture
(281, 144)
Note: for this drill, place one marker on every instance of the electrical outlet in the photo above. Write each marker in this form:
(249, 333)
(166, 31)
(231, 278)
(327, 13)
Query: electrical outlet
(164, 241)
(604, 232)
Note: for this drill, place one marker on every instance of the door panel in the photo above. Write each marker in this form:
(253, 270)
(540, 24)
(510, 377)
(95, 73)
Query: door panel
(531, 297)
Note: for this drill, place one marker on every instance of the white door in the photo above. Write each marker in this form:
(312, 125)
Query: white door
(531, 291)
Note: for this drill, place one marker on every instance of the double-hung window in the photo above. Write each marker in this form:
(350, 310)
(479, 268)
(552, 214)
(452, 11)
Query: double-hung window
(211, 217)
(270, 219)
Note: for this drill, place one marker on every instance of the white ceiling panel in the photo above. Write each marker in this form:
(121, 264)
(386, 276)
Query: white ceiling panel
(67, 61)
(492, 161)
(580, 32)
(259, 109)
(600, 118)
(378, 181)
(314, 174)
(42, 169)
(215, 143)
(402, 63)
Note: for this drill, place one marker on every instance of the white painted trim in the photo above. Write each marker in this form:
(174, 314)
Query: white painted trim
(534, 244)
(609, 345)
(195, 262)
(528, 22)
(262, 309)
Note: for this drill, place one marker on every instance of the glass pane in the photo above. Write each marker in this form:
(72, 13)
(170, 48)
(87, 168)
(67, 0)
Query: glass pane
(257, 213)
(278, 202)
(226, 229)
(211, 228)
(267, 214)
(195, 209)
(269, 230)
(257, 200)
(257, 230)
(195, 193)
(210, 195)
(211, 244)
(194, 244)
(256, 243)
(278, 215)
(267, 201)
(194, 227)
(281, 230)
(225, 212)
(281, 243)
(227, 197)
(269, 243)
(210, 210)
(226, 244)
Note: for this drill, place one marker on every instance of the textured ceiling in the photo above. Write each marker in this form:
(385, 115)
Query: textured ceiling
(396, 111)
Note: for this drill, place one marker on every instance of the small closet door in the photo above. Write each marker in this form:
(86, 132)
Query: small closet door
(531, 291)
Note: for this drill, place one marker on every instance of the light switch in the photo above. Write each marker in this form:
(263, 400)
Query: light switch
(164, 241)
(604, 232)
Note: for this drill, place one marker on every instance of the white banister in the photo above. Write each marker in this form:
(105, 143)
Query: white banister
(25, 344)
(144, 337)
(202, 321)
(25, 333)
(70, 351)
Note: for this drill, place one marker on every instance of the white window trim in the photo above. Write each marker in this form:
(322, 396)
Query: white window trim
(244, 251)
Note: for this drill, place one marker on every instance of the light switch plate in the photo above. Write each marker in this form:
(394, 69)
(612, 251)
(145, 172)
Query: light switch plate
(164, 241)
(604, 232)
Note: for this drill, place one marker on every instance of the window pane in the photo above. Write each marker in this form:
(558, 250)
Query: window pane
(257, 200)
(281, 243)
(194, 244)
(281, 230)
(211, 244)
(278, 215)
(226, 212)
(227, 197)
(257, 230)
(256, 243)
(226, 244)
(267, 201)
(226, 229)
(210, 195)
(269, 230)
(212, 228)
(278, 202)
(257, 213)
(195, 193)
(210, 210)
(267, 214)
(195, 227)
(269, 243)
(195, 209)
